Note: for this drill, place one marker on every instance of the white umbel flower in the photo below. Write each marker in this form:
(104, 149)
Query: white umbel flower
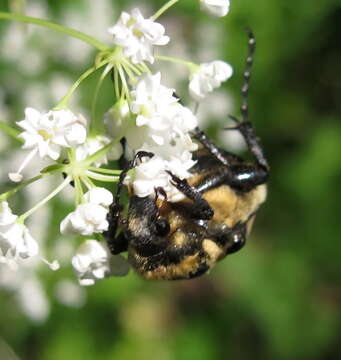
(99, 196)
(46, 134)
(151, 102)
(208, 77)
(215, 7)
(52, 131)
(89, 217)
(149, 175)
(162, 128)
(91, 262)
(6, 215)
(85, 220)
(138, 35)
(16, 242)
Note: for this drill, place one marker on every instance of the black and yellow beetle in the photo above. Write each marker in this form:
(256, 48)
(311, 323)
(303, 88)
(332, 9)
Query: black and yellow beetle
(182, 240)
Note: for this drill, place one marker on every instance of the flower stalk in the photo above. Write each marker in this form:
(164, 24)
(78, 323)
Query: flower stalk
(57, 27)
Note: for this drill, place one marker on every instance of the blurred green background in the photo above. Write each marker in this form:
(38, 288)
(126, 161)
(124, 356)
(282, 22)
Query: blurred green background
(280, 297)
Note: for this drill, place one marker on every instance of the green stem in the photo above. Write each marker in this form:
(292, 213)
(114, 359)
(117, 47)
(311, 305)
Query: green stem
(79, 190)
(116, 84)
(101, 152)
(64, 101)
(9, 130)
(94, 126)
(100, 177)
(163, 9)
(9, 193)
(129, 65)
(104, 171)
(131, 76)
(45, 200)
(177, 61)
(144, 68)
(87, 182)
(60, 28)
(125, 88)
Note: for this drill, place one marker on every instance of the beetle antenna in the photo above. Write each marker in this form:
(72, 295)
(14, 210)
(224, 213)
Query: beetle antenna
(247, 75)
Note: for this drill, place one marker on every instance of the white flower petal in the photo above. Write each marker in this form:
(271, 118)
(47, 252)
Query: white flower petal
(6, 215)
(137, 36)
(100, 196)
(91, 262)
(215, 7)
(207, 77)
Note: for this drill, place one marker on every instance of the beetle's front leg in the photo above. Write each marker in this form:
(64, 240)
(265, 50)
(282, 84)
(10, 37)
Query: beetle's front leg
(200, 208)
(117, 243)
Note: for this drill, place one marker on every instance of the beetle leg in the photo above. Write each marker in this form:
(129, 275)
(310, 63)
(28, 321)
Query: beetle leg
(241, 177)
(230, 239)
(114, 215)
(245, 127)
(200, 209)
(118, 244)
(252, 142)
(220, 155)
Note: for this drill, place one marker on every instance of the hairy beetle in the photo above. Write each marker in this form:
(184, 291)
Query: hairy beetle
(184, 239)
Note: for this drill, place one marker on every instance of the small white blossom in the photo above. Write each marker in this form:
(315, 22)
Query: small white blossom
(149, 175)
(162, 128)
(91, 262)
(159, 114)
(138, 35)
(151, 101)
(92, 145)
(99, 196)
(6, 215)
(46, 134)
(52, 131)
(91, 216)
(16, 242)
(85, 220)
(208, 77)
(215, 7)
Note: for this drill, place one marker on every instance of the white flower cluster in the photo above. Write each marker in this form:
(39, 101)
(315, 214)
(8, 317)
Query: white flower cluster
(91, 216)
(138, 35)
(47, 134)
(92, 262)
(208, 77)
(16, 242)
(162, 127)
(147, 114)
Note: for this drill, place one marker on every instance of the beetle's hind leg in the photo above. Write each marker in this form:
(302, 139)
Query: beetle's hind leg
(245, 127)
(118, 243)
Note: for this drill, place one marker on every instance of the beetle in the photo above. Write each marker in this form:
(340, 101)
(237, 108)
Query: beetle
(185, 239)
